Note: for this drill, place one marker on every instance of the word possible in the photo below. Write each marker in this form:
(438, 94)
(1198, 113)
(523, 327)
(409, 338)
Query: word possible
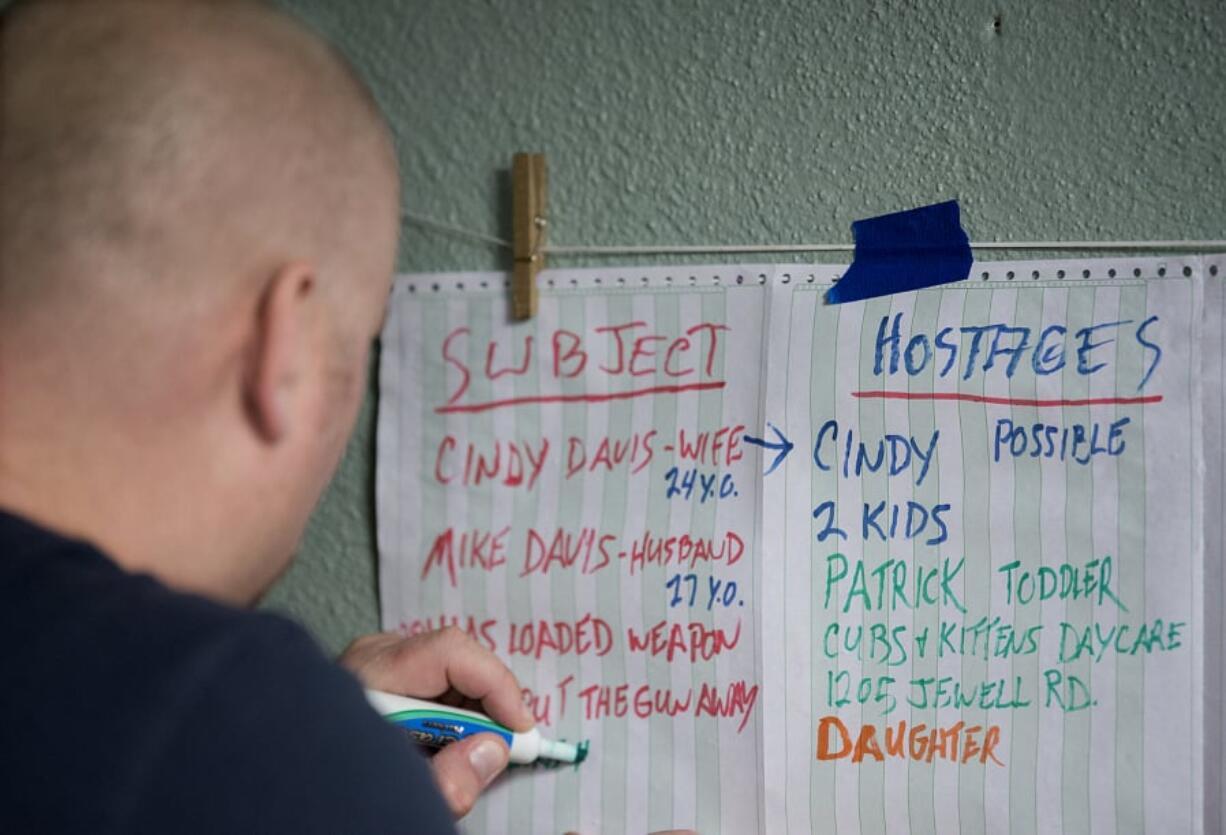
(957, 743)
(1009, 345)
(624, 351)
(1078, 443)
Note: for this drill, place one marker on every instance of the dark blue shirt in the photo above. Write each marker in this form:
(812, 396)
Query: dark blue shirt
(126, 707)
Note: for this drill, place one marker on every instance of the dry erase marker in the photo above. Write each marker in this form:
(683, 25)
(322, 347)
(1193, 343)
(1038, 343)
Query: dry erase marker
(437, 725)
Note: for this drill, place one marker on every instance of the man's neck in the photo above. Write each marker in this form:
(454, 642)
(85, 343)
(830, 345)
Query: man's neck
(114, 491)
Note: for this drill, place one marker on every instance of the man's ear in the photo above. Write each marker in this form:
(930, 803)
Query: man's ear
(280, 357)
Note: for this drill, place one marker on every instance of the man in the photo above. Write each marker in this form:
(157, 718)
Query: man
(198, 220)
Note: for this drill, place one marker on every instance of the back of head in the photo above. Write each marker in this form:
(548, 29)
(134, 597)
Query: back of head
(162, 163)
(164, 147)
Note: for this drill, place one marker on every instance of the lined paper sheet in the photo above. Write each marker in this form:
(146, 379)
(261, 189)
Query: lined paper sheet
(927, 563)
(576, 492)
(987, 563)
(1214, 394)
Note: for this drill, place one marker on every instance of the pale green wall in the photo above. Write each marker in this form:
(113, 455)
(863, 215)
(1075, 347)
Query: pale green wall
(732, 121)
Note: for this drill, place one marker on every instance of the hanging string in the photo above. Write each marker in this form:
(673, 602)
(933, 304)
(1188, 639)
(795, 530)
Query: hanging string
(729, 249)
(1081, 246)
(458, 231)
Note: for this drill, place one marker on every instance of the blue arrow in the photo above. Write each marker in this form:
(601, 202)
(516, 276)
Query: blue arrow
(784, 446)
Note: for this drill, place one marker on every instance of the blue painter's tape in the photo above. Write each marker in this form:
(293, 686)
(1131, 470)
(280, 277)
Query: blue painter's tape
(905, 251)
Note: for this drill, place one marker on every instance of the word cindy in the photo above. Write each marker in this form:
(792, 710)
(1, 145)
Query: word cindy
(895, 454)
(981, 348)
(622, 352)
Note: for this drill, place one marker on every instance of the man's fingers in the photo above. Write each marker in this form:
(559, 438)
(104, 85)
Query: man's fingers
(448, 659)
(463, 769)
(479, 674)
(450, 665)
(431, 664)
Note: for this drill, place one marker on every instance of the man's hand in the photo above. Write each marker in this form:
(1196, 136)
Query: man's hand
(450, 667)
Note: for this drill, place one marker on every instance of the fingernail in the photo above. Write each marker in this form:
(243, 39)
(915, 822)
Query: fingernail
(487, 758)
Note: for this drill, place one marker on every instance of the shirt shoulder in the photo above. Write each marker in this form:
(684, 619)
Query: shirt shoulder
(132, 708)
(290, 740)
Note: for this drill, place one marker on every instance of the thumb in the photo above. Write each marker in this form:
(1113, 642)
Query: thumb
(463, 769)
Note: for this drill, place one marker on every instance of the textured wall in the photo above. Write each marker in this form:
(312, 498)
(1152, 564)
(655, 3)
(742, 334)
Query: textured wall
(682, 122)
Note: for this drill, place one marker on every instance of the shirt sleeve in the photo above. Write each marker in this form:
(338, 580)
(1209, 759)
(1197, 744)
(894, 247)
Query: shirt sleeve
(275, 738)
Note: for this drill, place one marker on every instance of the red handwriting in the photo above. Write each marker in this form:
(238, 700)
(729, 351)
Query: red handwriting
(721, 448)
(542, 705)
(475, 549)
(587, 635)
(520, 462)
(684, 551)
(509, 463)
(627, 351)
(481, 631)
(695, 640)
(605, 455)
(584, 550)
(600, 701)
(565, 549)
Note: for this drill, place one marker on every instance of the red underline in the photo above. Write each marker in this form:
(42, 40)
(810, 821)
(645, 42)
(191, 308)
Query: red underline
(469, 408)
(1006, 401)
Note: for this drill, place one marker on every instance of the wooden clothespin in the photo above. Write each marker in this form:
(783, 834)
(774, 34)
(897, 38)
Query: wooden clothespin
(529, 186)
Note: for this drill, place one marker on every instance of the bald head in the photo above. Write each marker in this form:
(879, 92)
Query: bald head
(177, 146)
(198, 222)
